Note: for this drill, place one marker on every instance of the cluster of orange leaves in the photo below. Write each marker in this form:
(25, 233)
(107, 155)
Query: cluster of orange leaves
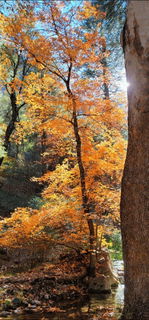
(101, 122)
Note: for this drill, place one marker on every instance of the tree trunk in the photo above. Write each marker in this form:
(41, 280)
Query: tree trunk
(43, 149)
(85, 204)
(105, 78)
(11, 125)
(135, 195)
(13, 120)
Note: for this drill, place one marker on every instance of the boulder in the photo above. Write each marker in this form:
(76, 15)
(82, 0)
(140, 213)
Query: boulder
(19, 311)
(99, 284)
(17, 302)
(7, 305)
(105, 267)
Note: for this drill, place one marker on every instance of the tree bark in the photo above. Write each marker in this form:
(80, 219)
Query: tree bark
(85, 204)
(105, 78)
(135, 182)
(13, 120)
(11, 125)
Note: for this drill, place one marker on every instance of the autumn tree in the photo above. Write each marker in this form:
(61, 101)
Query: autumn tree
(15, 66)
(70, 49)
(66, 104)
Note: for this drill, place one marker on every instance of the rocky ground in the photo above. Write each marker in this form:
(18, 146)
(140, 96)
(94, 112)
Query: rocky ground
(41, 289)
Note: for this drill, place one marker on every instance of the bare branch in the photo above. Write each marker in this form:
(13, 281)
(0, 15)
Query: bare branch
(21, 106)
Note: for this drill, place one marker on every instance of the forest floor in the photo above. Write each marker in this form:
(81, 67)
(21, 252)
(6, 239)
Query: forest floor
(41, 289)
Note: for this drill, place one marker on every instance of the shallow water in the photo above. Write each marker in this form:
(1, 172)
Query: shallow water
(82, 310)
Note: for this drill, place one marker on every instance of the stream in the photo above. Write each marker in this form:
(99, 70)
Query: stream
(82, 310)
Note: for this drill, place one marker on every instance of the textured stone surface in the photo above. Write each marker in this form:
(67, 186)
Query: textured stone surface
(99, 284)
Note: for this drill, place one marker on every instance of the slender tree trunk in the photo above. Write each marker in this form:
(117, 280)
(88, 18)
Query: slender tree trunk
(135, 183)
(11, 125)
(43, 149)
(12, 122)
(105, 84)
(85, 203)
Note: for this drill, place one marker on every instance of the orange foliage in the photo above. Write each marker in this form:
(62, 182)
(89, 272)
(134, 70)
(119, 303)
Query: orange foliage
(61, 56)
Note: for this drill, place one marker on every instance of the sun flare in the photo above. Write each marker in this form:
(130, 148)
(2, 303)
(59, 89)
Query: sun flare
(124, 84)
